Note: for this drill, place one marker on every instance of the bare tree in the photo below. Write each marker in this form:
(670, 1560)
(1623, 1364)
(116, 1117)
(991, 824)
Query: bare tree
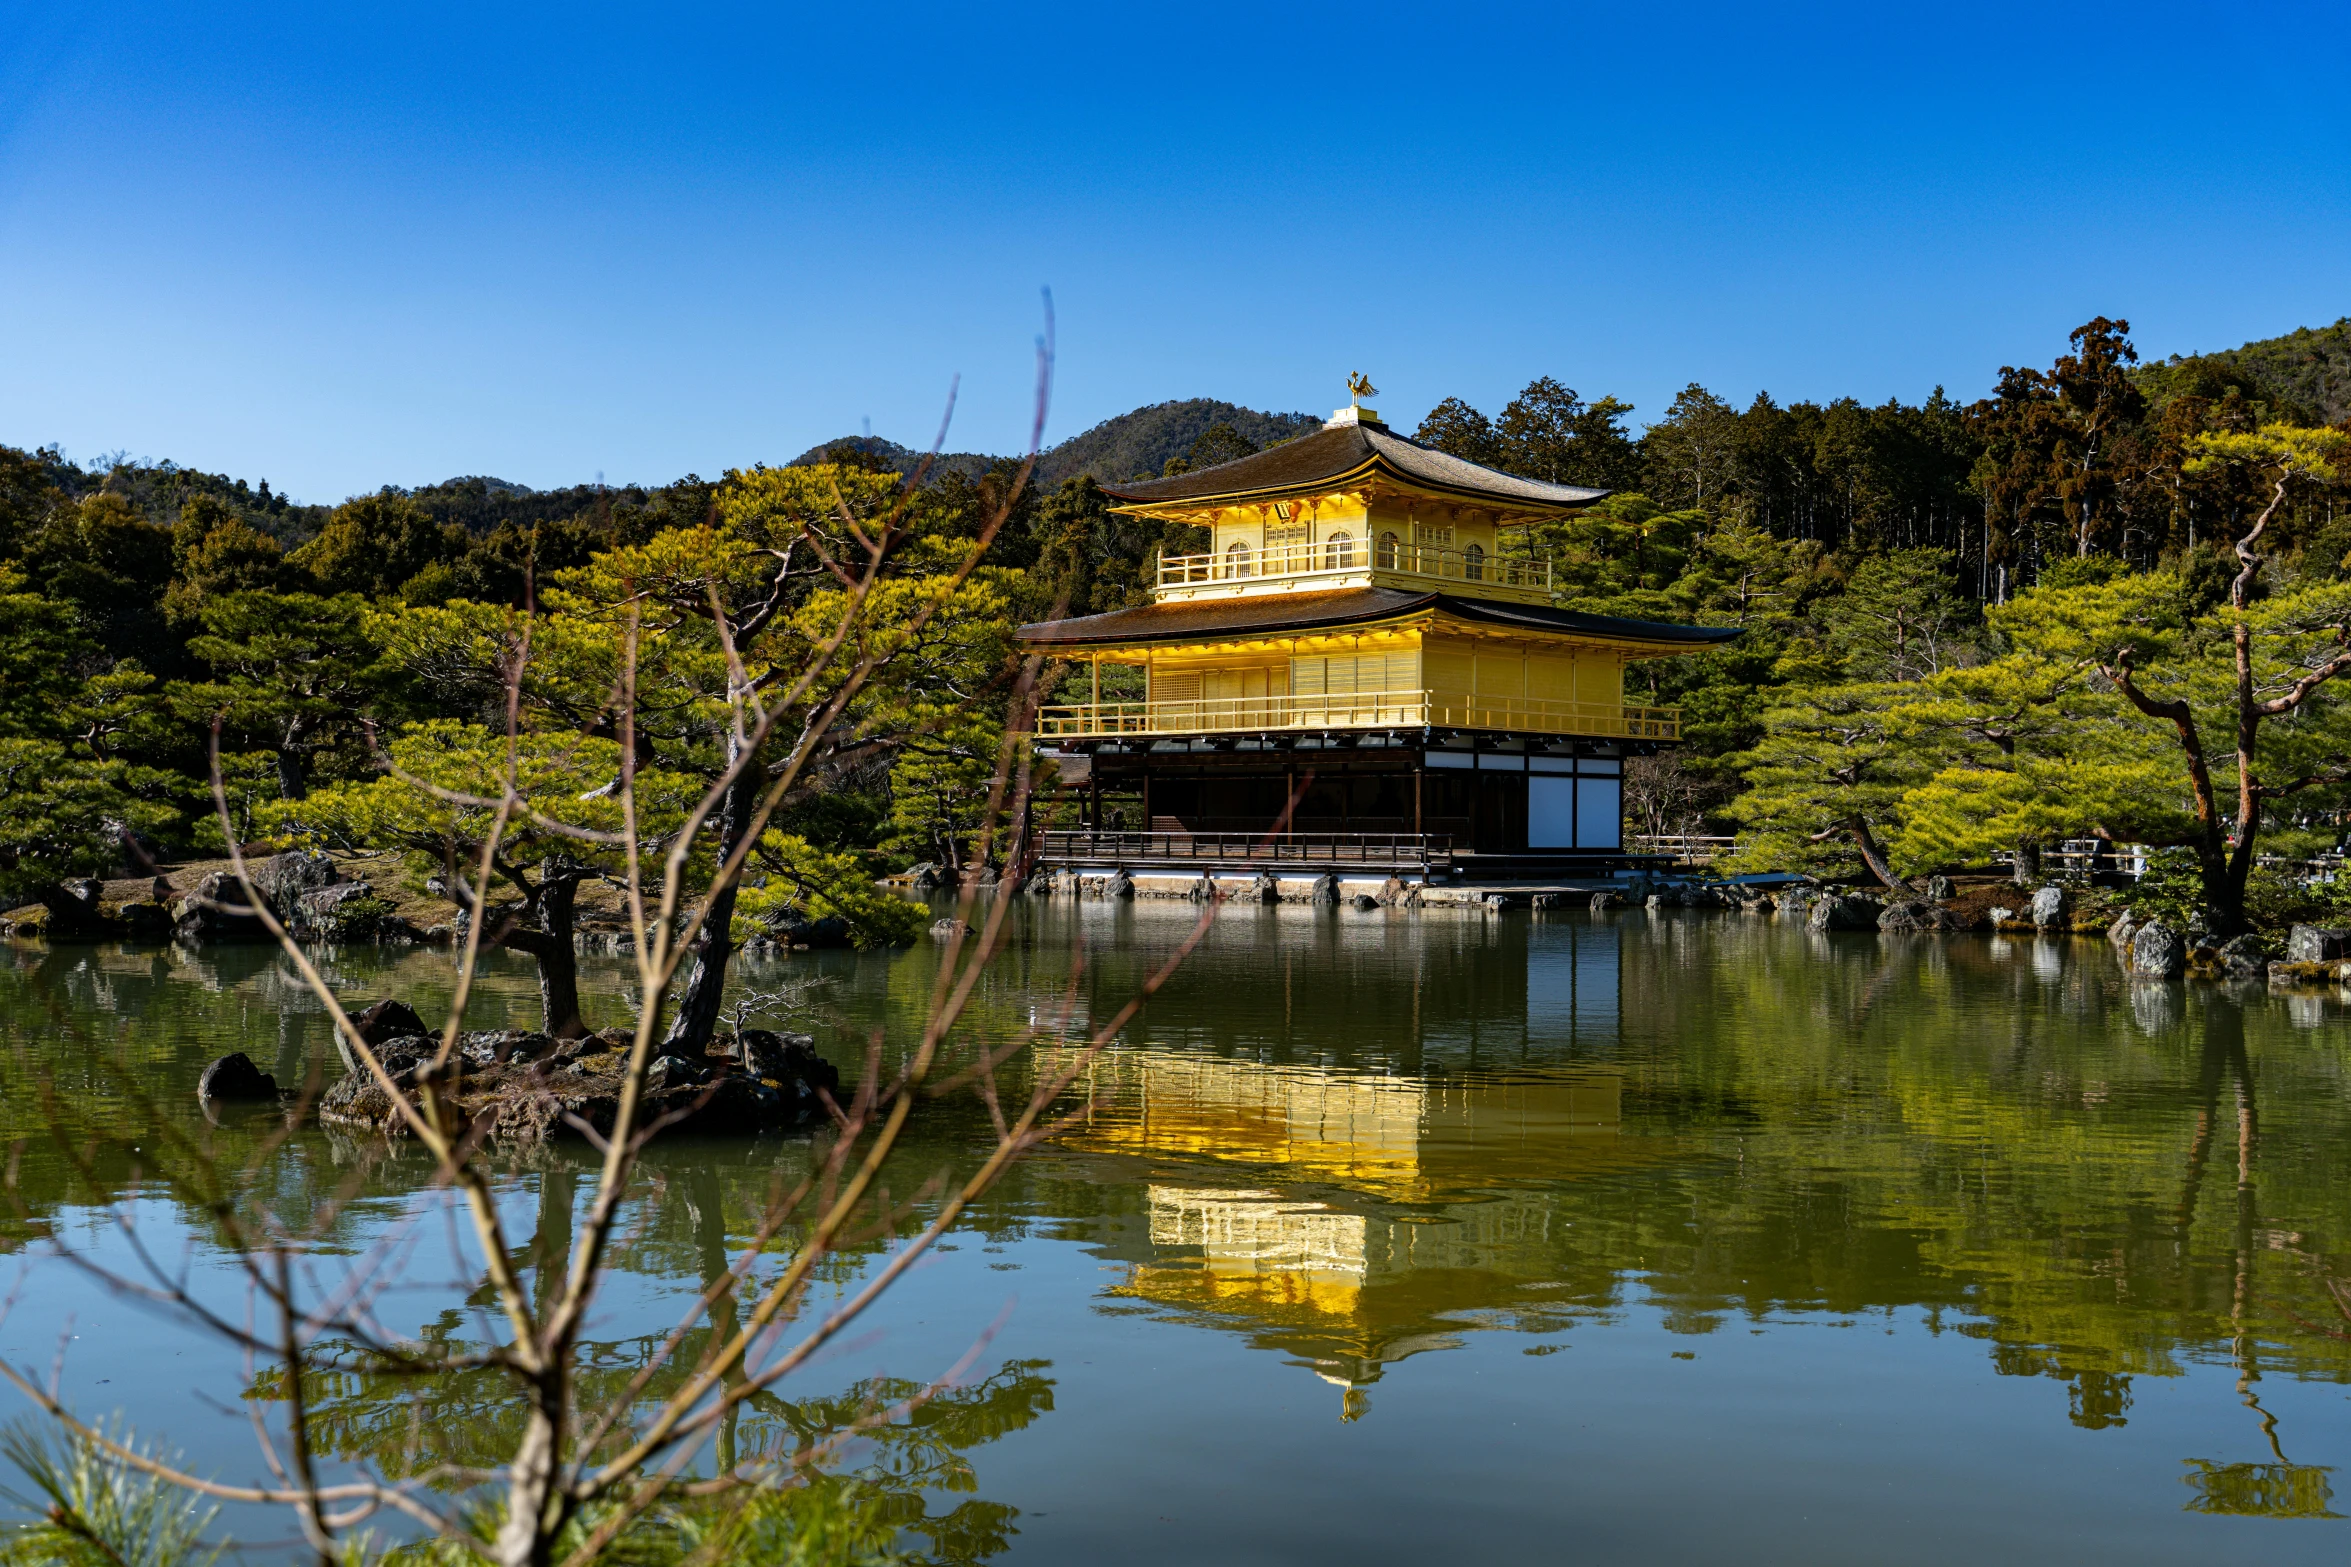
(585, 1468)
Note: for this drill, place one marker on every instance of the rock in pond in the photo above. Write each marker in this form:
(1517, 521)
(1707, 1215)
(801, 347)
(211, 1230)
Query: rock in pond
(2243, 957)
(2051, 909)
(1916, 918)
(347, 911)
(387, 1020)
(831, 931)
(528, 1086)
(284, 880)
(2157, 952)
(2315, 944)
(217, 910)
(1854, 911)
(235, 1077)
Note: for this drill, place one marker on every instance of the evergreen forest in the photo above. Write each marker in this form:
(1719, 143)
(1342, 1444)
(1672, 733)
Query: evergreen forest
(2109, 599)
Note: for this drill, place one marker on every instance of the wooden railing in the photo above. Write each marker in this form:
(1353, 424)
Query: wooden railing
(1334, 557)
(1361, 710)
(2086, 855)
(1429, 853)
(1684, 848)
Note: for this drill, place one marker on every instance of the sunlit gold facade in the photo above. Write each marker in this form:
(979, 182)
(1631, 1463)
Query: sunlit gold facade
(1366, 650)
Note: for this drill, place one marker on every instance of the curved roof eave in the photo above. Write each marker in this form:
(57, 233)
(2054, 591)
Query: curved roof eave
(1339, 456)
(1278, 613)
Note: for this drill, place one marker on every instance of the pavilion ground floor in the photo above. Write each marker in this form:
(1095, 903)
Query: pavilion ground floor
(1509, 804)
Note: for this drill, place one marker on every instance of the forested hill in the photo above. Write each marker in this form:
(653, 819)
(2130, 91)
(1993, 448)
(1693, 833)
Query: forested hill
(2303, 375)
(2306, 372)
(1139, 444)
(156, 491)
(1129, 446)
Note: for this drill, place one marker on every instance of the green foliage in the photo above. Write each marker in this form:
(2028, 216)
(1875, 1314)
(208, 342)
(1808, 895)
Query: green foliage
(1621, 556)
(2302, 375)
(432, 807)
(42, 645)
(249, 782)
(1826, 780)
(1901, 617)
(376, 545)
(63, 814)
(214, 552)
(2171, 889)
(111, 566)
(1546, 432)
(804, 882)
(90, 1509)
(291, 673)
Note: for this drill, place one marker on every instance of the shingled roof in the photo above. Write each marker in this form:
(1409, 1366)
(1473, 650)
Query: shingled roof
(1266, 613)
(1348, 452)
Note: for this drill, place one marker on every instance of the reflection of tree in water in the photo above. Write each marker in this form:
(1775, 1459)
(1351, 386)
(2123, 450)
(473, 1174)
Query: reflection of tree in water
(864, 1462)
(1995, 1135)
(2261, 1490)
(2282, 1489)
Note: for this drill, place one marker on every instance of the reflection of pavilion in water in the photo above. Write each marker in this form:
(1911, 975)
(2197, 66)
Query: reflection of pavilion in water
(1376, 1214)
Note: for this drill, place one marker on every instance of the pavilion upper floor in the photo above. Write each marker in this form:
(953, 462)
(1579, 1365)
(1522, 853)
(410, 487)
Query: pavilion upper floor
(1353, 505)
(1357, 658)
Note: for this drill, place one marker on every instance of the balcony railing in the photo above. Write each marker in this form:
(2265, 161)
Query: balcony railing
(1362, 710)
(1337, 557)
(1430, 853)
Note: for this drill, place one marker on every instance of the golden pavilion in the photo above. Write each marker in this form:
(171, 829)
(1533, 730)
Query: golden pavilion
(1364, 669)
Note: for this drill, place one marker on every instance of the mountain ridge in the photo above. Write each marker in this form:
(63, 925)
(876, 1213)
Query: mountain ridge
(1135, 444)
(2303, 375)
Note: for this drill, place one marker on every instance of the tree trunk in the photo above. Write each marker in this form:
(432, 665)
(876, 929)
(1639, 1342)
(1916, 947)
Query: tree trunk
(690, 1032)
(2027, 868)
(1875, 857)
(559, 961)
(293, 760)
(550, 944)
(2224, 887)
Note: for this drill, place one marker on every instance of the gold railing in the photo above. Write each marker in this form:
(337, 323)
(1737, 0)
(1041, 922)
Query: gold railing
(1334, 558)
(1362, 710)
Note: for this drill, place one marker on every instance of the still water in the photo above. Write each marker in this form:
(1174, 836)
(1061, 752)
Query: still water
(1397, 1238)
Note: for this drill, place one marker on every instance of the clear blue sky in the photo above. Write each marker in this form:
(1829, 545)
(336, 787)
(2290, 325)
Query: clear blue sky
(543, 243)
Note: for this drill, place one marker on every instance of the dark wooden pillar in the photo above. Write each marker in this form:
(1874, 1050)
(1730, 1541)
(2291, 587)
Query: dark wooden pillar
(1420, 771)
(1146, 793)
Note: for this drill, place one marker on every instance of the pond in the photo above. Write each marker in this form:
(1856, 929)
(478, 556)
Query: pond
(1391, 1237)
